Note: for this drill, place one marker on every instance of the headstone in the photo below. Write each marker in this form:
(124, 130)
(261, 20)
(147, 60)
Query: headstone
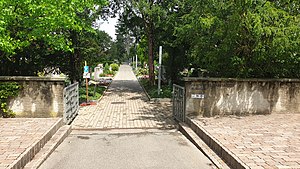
(97, 72)
(100, 65)
(101, 68)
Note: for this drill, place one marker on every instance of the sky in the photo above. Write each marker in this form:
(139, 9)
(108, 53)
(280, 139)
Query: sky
(109, 27)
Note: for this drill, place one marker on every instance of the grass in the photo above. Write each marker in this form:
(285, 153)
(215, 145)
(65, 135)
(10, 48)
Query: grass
(166, 91)
(98, 93)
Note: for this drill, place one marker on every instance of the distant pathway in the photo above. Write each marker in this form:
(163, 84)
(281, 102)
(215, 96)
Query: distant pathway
(124, 105)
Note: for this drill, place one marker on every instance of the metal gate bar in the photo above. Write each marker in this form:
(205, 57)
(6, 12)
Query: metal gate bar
(71, 102)
(179, 102)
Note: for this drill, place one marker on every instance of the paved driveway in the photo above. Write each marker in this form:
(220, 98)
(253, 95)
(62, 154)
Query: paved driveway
(126, 131)
(127, 149)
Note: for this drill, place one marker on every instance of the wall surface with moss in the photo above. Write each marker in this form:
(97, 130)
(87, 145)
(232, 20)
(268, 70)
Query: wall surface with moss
(220, 96)
(38, 96)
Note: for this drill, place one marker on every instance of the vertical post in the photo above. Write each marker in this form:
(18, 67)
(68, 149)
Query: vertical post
(173, 102)
(87, 86)
(184, 107)
(136, 61)
(132, 62)
(159, 69)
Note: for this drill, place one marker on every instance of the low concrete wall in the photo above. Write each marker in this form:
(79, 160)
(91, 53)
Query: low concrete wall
(39, 96)
(219, 96)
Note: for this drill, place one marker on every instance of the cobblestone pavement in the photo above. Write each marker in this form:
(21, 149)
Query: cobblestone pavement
(262, 141)
(17, 135)
(124, 105)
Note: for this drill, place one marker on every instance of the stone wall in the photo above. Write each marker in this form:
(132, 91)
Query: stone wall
(219, 96)
(39, 96)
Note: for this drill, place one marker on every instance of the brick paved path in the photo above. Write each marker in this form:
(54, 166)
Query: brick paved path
(124, 105)
(271, 141)
(18, 135)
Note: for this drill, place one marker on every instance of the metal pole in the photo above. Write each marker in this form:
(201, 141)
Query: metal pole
(159, 69)
(136, 61)
(87, 87)
(132, 62)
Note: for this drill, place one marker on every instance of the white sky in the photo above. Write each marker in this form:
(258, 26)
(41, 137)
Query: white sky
(109, 27)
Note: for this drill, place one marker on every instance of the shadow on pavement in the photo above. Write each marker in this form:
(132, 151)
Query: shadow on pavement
(161, 113)
(126, 86)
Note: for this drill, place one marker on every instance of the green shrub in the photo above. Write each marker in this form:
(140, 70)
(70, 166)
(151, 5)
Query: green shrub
(98, 93)
(106, 69)
(7, 90)
(142, 71)
(166, 91)
(114, 67)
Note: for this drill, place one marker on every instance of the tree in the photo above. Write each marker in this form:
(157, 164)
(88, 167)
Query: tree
(95, 48)
(139, 18)
(243, 38)
(236, 38)
(31, 30)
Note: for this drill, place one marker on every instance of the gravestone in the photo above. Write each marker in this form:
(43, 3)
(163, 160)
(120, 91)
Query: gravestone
(97, 72)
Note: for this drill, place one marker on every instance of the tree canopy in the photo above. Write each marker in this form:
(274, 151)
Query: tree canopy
(35, 32)
(235, 38)
(243, 37)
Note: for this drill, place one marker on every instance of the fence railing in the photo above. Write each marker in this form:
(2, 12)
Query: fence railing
(179, 102)
(71, 102)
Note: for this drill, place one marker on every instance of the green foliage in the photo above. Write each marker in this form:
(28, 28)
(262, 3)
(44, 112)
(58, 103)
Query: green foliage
(139, 20)
(106, 69)
(7, 91)
(142, 50)
(142, 71)
(95, 47)
(24, 22)
(91, 95)
(114, 67)
(118, 49)
(244, 39)
(44, 34)
(241, 38)
(152, 90)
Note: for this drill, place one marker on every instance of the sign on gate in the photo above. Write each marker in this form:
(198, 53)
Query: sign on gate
(197, 96)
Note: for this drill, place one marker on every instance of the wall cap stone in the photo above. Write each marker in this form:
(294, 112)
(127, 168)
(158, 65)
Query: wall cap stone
(197, 79)
(32, 78)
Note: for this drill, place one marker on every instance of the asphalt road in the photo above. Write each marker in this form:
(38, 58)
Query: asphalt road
(127, 149)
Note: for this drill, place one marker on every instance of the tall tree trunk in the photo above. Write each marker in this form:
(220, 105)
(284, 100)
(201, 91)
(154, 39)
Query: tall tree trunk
(4, 65)
(74, 59)
(151, 53)
(173, 71)
(148, 23)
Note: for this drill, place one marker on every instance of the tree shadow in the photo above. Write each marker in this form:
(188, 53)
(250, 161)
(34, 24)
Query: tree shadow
(160, 113)
(126, 86)
(130, 90)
